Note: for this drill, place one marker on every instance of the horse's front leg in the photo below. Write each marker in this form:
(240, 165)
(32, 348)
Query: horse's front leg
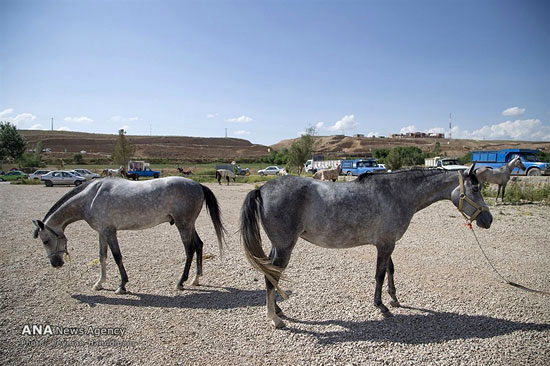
(503, 190)
(103, 263)
(110, 237)
(383, 254)
(498, 193)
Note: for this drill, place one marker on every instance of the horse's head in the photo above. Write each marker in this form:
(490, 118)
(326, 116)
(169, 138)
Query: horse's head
(54, 243)
(516, 162)
(467, 198)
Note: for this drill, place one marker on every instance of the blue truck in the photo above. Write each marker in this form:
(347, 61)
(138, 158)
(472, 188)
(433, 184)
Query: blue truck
(142, 169)
(360, 166)
(497, 158)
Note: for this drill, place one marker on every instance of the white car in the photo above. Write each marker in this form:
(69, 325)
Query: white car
(270, 170)
(37, 174)
(86, 173)
(62, 177)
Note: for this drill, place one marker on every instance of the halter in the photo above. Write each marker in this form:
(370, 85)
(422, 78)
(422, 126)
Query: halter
(57, 250)
(463, 197)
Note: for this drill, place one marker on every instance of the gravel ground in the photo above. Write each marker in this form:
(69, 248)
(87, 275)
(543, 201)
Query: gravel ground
(455, 309)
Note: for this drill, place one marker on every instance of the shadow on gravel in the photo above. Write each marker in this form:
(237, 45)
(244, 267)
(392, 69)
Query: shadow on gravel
(203, 297)
(428, 327)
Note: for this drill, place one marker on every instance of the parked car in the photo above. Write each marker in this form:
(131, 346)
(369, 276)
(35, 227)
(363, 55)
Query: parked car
(270, 170)
(12, 175)
(37, 174)
(62, 177)
(86, 173)
(360, 166)
(234, 168)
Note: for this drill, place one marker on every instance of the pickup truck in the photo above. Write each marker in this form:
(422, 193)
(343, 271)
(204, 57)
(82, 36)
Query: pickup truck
(444, 163)
(142, 169)
(315, 165)
(497, 158)
(360, 166)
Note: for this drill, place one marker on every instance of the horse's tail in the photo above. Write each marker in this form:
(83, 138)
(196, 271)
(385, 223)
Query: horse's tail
(252, 240)
(214, 210)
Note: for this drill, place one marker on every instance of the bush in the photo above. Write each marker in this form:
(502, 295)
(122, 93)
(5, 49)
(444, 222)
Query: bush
(517, 192)
(30, 160)
(78, 159)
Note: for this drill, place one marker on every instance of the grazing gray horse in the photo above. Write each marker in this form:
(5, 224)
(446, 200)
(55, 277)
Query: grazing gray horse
(499, 176)
(108, 205)
(374, 209)
(224, 173)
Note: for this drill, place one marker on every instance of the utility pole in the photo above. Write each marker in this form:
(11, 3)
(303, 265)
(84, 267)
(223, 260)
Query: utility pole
(226, 132)
(52, 123)
(450, 128)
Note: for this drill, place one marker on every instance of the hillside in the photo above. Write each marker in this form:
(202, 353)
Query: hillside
(345, 146)
(184, 148)
(100, 146)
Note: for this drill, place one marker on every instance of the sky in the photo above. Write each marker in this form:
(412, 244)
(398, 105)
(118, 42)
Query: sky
(268, 70)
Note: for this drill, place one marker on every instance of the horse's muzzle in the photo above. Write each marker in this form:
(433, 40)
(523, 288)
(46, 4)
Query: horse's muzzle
(484, 220)
(56, 261)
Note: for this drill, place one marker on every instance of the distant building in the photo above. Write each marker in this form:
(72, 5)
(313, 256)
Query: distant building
(417, 135)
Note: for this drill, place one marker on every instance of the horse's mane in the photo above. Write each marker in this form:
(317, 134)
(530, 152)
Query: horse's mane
(413, 173)
(73, 192)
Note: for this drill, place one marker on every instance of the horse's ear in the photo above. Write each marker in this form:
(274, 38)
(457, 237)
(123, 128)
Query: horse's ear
(39, 226)
(470, 170)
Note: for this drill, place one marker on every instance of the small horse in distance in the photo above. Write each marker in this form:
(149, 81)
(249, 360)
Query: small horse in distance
(109, 205)
(328, 174)
(132, 176)
(184, 172)
(383, 206)
(224, 173)
(113, 172)
(499, 176)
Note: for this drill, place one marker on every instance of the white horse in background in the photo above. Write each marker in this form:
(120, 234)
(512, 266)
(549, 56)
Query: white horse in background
(328, 174)
(116, 172)
(282, 172)
(499, 176)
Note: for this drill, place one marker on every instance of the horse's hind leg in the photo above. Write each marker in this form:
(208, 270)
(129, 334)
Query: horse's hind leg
(187, 236)
(279, 257)
(198, 249)
(110, 237)
(383, 255)
(103, 263)
(391, 284)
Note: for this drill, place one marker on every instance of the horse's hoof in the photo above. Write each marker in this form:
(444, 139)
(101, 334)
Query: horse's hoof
(180, 287)
(98, 286)
(395, 304)
(387, 314)
(277, 323)
(121, 291)
(195, 282)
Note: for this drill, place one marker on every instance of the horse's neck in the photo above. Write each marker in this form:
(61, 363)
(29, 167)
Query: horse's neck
(67, 213)
(510, 166)
(434, 188)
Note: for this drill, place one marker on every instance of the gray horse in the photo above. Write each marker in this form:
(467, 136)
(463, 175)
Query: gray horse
(499, 176)
(374, 209)
(224, 173)
(108, 205)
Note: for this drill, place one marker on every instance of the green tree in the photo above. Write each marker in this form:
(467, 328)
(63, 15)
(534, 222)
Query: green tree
(12, 144)
(393, 160)
(78, 159)
(123, 149)
(381, 154)
(301, 150)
